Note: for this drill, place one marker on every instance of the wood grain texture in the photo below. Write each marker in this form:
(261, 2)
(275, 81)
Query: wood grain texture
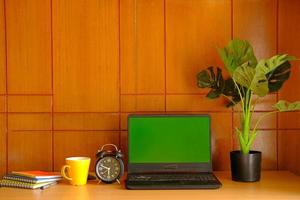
(124, 147)
(193, 31)
(124, 121)
(289, 151)
(288, 42)
(111, 58)
(2, 49)
(29, 104)
(221, 139)
(266, 142)
(28, 27)
(255, 21)
(30, 150)
(3, 137)
(32, 121)
(3, 134)
(2, 104)
(80, 143)
(195, 103)
(86, 64)
(140, 103)
(86, 121)
(289, 120)
(142, 46)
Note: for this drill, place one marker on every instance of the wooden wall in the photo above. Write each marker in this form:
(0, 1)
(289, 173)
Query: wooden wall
(71, 72)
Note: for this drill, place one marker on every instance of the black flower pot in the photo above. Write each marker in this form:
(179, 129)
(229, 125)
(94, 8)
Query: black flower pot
(245, 167)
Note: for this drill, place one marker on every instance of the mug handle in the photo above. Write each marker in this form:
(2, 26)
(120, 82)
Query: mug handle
(63, 172)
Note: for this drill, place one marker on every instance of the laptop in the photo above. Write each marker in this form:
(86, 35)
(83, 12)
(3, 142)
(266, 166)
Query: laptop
(170, 152)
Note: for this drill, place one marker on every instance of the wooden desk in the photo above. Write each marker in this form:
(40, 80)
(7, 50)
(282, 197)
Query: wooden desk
(273, 185)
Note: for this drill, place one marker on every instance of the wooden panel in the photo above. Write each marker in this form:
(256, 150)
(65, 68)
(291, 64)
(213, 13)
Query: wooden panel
(135, 103)
(288, 42)
(2, 91)
(86, 55)
(86, 121)
(269, 122)
(221, 138)
(29, 104)
(289, 120)
(124, 147)
(193, 31)
(289, 91)
(124, 121)
(2, 144)
(2, 104)
(30, 151)
(195, 103)
(142, 46)
(28, 25)
(29, 122)
(80, 143)
(2, 50)
(255, 21)
(266, 142)
(289, 151)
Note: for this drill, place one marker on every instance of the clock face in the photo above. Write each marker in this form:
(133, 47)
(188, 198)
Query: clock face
(108, 169)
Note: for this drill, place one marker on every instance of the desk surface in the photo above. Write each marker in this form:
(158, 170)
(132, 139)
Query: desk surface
(273, 185)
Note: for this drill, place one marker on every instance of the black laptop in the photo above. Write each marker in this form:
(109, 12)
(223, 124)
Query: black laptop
(170, 152)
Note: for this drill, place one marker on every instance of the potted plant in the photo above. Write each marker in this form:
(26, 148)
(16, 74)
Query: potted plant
(249, 80)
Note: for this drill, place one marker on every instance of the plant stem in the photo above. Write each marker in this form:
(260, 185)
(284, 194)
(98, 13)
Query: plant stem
(261, 117)
(246, 122)
(240, 94)
(256, 101)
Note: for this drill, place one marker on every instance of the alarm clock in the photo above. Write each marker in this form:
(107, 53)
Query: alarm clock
(109, 166)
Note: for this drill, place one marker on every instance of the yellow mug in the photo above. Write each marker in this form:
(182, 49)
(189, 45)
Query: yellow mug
(76, 170)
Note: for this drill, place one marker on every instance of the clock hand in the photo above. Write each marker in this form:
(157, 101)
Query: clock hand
(104, 166)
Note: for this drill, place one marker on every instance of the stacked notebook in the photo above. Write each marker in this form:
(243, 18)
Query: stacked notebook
(30, 179)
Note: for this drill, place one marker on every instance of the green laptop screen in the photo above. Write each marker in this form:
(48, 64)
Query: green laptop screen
(169, 139)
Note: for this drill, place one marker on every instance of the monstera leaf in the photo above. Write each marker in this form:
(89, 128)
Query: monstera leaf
(278, 76)
(251, 79)
(276, 69)
(285, 106)
(267, 65)
(236, 53)
(208, 79)
(215, 81)
(265, 75)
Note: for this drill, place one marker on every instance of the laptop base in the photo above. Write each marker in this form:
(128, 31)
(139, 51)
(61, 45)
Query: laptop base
(172, 181)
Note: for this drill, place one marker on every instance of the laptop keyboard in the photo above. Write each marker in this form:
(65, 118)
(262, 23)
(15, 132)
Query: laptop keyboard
(172, 177)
